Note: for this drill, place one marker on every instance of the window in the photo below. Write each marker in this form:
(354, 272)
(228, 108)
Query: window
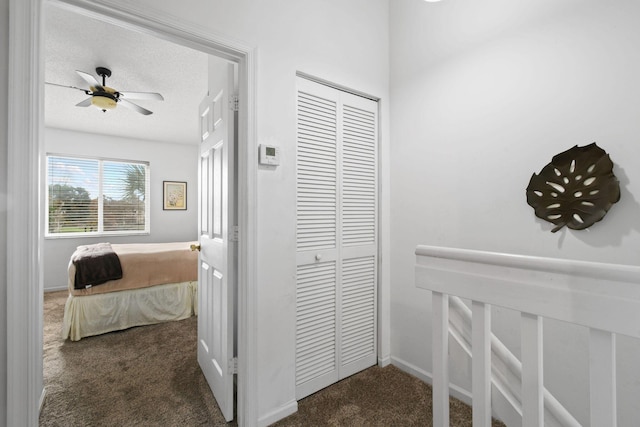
(89, 196)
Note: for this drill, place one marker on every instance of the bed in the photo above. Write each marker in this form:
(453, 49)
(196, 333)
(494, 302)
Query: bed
(158, 283)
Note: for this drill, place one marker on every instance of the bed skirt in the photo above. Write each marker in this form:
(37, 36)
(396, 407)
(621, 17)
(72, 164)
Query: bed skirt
(101, 313)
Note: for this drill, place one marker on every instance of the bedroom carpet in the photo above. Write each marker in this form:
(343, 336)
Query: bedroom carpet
(145, 376)
(149, 376)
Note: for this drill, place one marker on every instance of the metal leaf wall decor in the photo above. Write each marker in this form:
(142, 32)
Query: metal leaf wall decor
(576, 189)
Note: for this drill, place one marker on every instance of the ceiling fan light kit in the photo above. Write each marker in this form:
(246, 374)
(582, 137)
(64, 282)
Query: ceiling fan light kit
(107, 98)
(104, 100)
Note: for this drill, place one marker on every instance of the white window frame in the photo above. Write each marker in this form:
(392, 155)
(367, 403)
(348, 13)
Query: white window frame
(100, 232)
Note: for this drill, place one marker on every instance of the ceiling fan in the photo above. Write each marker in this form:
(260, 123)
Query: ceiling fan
(107, 98)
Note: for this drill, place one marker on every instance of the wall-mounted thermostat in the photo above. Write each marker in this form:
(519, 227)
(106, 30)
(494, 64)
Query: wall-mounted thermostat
(269, 155)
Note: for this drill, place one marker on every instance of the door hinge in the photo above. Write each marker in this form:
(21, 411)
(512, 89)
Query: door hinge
(234, 102)
(235, 232)
(233, 366)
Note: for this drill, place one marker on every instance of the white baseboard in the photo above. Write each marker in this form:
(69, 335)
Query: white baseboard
(44, 392)
(384, 361)
(56, 288)
(454, 390)
(278, 414)
(500, 404)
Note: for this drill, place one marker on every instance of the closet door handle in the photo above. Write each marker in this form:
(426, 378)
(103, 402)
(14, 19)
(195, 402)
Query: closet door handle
(318, 257)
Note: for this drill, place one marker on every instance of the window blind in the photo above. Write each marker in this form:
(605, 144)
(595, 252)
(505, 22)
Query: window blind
(94, 196)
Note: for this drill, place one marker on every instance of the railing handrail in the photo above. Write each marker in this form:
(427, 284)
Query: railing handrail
(603, 297)
(593, 269)
(596, 295)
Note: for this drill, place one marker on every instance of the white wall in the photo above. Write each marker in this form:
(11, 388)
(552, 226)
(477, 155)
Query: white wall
(4, 65)
(483, 95)
(168, 162)
(345, 42)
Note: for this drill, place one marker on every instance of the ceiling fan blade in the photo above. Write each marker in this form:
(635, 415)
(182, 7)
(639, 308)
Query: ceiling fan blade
(70, 87)
(84, 103)
(134, 107)
(90, 79)
(142, 95)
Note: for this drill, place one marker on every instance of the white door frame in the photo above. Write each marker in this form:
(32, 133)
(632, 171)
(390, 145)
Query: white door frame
(25, 391)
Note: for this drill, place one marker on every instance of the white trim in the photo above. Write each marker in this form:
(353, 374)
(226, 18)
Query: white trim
(411, 369)
(501, 405)
(384, 361)
(384, 234)
(24, 237)
(569, 267)
(42, 397)
(24, 241)
(278, 414)
(592, 294)
(56, 289)
(602, 297)
(247, 402)
(340, 87)
(160, 25)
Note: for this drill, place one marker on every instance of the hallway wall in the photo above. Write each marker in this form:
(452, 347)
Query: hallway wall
(4, 71)
(483, 95)
(344, 42)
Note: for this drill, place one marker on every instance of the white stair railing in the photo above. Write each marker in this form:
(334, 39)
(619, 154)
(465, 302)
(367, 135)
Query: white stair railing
(506, 369)
(602, 297)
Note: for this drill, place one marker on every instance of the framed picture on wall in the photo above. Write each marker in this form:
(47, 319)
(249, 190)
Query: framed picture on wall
(174, 196)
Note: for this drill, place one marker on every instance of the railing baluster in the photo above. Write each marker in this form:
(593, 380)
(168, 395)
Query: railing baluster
(440, 356)
(481, 364)
(532, 371)
(602, 375)
(602, 297)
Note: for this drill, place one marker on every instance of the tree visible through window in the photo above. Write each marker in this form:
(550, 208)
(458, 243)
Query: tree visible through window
(96, 196)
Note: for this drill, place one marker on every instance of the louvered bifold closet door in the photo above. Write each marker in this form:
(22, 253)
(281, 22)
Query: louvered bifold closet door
(358, 236)
(316, 239)
(336, 235)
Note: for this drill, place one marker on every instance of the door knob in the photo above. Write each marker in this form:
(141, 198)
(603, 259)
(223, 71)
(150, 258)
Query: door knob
(318, 257)
(195, 248)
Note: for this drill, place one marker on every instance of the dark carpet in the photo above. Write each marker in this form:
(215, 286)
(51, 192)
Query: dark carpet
(149, 376)
(145, 376)
(375, 397)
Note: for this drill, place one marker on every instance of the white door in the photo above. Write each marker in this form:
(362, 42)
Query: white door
(217, 275)
(336, 235)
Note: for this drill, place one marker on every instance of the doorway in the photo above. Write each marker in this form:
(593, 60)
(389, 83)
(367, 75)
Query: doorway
(24, 317)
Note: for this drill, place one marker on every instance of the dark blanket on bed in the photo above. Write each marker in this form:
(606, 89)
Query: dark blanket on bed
(95, 264)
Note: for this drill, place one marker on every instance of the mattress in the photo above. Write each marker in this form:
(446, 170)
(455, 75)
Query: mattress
(144, 265)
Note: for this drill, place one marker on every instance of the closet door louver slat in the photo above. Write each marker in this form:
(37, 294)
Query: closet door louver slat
(315, 321)
(358, 309)
(359, 177)
(316, 173)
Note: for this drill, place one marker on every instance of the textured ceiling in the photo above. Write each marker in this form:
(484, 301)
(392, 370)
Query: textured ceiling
(138, 62)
